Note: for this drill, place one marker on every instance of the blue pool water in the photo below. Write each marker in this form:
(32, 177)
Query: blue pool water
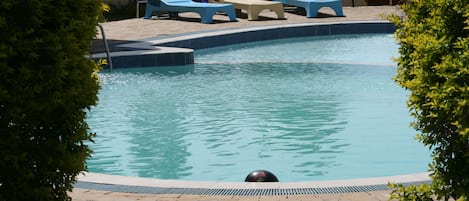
(306, 109)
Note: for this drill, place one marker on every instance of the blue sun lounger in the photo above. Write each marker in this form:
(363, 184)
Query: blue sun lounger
(205, 10)
(312, 6)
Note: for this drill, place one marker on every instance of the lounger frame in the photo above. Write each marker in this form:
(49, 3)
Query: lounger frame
(255, 7)
(205, 10)
(312, 6)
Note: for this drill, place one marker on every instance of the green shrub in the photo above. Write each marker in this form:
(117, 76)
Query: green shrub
(124, 11)
(434, 67)
(423, 192)
(46, 87)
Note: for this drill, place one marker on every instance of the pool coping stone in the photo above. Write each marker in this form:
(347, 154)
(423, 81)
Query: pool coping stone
(178, 50)
(127, 184)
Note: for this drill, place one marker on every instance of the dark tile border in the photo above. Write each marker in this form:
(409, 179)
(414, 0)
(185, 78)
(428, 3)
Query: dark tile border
(281, 33)
(209, 39)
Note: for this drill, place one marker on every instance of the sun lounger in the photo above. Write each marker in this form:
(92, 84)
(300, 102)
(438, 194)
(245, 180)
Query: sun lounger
(205, 10)
(312, 6)
(254, 7)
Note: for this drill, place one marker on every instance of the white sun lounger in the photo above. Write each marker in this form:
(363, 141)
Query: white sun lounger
(254, 7)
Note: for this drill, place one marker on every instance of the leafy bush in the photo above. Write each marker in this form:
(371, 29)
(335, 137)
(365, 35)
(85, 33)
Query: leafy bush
(124, 11)
(46, 85)
(423, 192)
(434, 67)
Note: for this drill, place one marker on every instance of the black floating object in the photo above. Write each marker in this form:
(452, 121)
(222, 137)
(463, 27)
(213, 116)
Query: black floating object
(261, 176)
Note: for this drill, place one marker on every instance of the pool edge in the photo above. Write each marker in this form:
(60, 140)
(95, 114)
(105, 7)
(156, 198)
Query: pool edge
(126, 184)
(178, 50)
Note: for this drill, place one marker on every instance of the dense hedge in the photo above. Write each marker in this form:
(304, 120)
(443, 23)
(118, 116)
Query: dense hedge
(434, 67)
(46, 87)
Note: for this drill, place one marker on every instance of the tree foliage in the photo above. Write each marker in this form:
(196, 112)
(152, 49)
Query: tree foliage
(46, 87)
(434, 66)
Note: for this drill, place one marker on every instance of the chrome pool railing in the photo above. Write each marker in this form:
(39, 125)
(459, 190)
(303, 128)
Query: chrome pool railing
(106, 46)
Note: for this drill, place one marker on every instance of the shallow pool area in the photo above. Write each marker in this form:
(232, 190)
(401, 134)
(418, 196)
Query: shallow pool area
(315, 108)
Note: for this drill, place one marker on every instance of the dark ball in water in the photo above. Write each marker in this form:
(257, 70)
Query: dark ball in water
(261, 176)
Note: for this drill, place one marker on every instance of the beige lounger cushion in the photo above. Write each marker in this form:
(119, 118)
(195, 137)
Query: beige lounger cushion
(254, 7)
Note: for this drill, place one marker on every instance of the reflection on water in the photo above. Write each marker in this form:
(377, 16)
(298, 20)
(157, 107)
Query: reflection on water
(375, 49)
(190, 125)
(302, 121)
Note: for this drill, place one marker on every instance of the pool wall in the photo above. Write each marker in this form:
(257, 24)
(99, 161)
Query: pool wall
(177, 50)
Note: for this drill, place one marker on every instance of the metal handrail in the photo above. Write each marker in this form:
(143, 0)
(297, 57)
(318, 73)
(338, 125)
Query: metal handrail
(106, 46)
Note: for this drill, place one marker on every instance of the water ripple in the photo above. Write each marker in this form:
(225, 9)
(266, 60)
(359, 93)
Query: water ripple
(308, 117)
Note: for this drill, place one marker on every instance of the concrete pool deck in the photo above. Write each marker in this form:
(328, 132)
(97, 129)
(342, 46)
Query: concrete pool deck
(97, 187)
(92, 186)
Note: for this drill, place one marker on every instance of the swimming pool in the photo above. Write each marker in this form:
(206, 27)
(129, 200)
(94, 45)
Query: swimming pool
(306, 109)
